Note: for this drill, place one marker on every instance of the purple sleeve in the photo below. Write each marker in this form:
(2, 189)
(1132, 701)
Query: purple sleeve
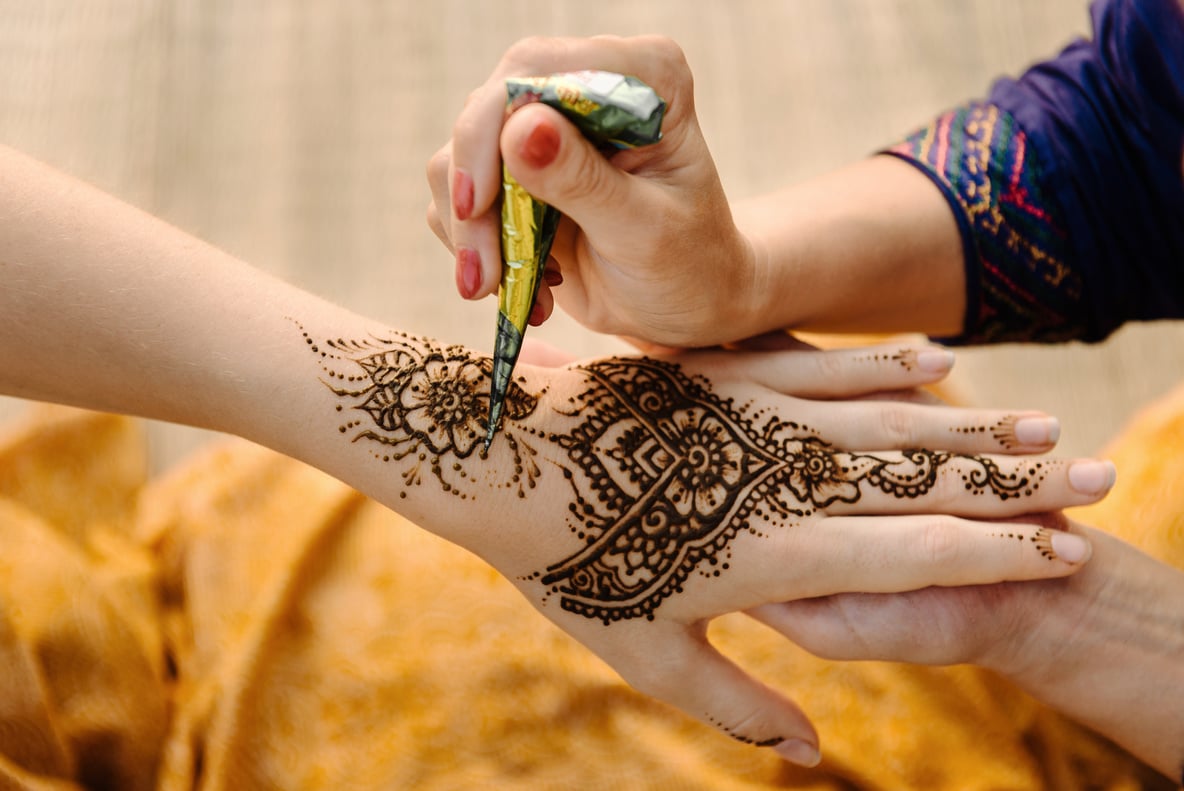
(1068, 183)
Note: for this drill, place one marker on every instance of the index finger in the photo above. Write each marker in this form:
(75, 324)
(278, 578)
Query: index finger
(475, 136)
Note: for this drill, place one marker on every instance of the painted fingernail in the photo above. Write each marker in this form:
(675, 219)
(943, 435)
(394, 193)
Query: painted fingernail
(462, 194)
(1070, 548)
(1037, 430)
(536, 315)
(541, 146)
(551, 275)
(798, 752)
(468, 272)
(935, 361)
(1092, 477)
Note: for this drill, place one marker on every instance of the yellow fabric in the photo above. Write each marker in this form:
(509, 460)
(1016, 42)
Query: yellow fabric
(245, 622)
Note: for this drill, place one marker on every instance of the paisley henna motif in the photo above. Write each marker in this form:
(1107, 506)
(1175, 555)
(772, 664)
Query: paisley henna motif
(664, 473)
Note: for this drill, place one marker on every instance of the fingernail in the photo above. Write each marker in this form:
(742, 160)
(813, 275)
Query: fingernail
(799, 752)
(551, 275)
(1037, 430)
(1070, 548)
(536, 315)
(1092, 477)
(541, 145)
(935, 361)
(462, 194)
(468, 272)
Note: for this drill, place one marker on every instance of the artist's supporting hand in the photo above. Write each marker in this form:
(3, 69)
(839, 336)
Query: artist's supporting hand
(653, 250)
(1105, 646)
(631, 500)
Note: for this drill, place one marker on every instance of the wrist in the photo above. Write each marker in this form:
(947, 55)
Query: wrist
(1106, 648)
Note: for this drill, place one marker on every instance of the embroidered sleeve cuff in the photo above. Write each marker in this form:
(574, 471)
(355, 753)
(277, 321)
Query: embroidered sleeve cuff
(1020, 284)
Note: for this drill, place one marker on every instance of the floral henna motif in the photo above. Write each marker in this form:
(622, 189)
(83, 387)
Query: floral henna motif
(427, 404)
(666, 474)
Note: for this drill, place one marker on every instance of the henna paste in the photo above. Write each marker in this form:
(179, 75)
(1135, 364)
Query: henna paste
(664, 474)
(1002, 432)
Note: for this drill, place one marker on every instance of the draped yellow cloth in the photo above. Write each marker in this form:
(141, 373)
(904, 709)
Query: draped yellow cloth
(246, 622)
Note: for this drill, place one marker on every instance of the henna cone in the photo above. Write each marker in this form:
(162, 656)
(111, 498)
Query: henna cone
(611, 110)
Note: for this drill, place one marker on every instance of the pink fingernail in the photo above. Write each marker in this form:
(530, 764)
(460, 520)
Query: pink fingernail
(935, 361)
(799, 752)
(1092, 477)
(1070, 548)
(468, 272)
(462, 194)
(1037, 430)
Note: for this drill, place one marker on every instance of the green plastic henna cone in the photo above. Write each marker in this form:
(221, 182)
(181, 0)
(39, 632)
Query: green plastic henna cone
(612, 110)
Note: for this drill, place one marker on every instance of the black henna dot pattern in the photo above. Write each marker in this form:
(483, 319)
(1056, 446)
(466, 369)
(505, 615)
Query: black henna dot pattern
(1041, 539)
(905, 358)
(1002, 431)
(766, 742)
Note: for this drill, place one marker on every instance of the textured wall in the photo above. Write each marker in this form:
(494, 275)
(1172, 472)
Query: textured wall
(295, 135)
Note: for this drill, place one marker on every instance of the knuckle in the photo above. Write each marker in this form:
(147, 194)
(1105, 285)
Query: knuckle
(896, 421)
(437, 169)
(525, 52)
(649, 678)
(437, 226)
(667, 51)
(941, 540)
(829, 366)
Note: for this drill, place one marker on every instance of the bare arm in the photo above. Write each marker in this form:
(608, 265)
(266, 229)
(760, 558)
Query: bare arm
(876, 243)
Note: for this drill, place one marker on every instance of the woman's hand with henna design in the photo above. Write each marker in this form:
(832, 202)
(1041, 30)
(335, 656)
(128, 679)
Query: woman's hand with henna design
(632, 500)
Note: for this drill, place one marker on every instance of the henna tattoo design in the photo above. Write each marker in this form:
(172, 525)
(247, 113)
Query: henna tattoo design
(426, 403)
(1002, 432)
(664, 473)
(1042, 538)
(669, 474)
(769, 742)
(907, 358)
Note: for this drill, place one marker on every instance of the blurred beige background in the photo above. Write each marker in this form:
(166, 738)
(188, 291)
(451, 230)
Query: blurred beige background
(295, 134)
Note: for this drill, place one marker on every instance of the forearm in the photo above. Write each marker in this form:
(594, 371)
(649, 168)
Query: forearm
(876, 243)
(106, 307)
(1107, 649)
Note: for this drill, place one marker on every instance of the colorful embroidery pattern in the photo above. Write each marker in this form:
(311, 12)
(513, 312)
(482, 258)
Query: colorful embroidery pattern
(1017, 247)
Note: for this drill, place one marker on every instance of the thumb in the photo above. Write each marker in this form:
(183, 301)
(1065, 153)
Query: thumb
(686, 671)
(555, 163)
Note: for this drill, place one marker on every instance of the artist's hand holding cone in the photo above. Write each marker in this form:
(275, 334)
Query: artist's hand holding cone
(648, 249)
